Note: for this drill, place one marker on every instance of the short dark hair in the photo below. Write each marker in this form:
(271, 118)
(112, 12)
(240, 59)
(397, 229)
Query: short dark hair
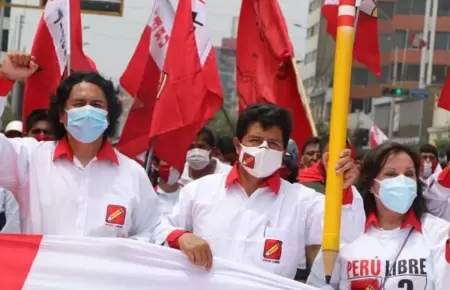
(225, 145)
(34, 117)
(207, 136)
(428, 148)
(268, 116)
(371, 166)
(310, 141)
(58, 102)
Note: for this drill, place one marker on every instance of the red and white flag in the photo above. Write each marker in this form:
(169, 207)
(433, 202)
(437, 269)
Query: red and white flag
(366, 47)
(265, 69)
(141, 78)
(416, 40)
(376, 136)
(58, 35)
(190, 92)
(73, 263)
(444, 96)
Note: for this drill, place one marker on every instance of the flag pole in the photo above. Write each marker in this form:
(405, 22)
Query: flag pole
(148, 161)
(347, 18)
(304, 97)
(69, 44)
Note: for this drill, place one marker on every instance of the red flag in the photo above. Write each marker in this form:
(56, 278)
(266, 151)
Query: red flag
(376, 136)
(416, 41)
(141, 78)
(190, 91)
(265, 69)
(51, 48)
(366, 48)
(444, 98)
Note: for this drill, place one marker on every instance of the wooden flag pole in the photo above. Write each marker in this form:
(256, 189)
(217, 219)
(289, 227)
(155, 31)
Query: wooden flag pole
(338, 133)
(304, 97)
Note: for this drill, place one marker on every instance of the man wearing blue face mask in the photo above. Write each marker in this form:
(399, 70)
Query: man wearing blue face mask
(78, 185)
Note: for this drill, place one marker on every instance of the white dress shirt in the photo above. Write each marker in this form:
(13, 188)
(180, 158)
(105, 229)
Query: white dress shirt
(111, 196)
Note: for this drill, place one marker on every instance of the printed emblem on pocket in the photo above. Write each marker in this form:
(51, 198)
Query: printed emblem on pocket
(272, 251)
(115, 215)
(365, 284)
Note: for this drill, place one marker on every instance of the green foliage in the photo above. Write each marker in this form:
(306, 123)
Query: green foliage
(323, 129)
(223, 123)
(7, 116)
(442, 144)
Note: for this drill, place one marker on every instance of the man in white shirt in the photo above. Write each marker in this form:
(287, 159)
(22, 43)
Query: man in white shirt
(78, 185)
(250, 215)
(199, 161)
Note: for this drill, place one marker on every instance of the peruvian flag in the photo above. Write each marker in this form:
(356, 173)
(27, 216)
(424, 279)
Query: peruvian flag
(33, 262)
(266, 71)
(366, 48)
(189, 92)
(58, 36)
(376, 136)
(141, 78)
(444, 97)
(416, 40)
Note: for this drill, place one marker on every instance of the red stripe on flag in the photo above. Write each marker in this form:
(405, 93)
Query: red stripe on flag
(346, 20)
(17, 254)
(347, 2)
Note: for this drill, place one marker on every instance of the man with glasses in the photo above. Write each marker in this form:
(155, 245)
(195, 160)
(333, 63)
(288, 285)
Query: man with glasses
(37, 126)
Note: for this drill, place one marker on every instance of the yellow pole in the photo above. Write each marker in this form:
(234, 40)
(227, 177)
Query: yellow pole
(338, 133)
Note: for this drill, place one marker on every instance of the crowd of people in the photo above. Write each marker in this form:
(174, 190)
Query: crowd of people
(254, 198)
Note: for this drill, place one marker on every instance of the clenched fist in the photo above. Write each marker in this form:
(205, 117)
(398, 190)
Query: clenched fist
(196, 249)
(18, 66)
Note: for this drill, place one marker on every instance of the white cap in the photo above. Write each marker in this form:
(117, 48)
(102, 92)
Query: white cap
(14, 126)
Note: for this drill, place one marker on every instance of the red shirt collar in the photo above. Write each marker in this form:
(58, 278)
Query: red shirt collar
(63, 150)
(273, 182)
(409, 220)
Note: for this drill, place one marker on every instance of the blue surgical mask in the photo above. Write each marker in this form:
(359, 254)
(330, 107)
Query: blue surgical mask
(87, 123)
(397, 193)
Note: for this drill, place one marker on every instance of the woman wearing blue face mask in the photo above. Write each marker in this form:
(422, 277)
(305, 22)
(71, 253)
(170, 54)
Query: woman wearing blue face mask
(78, 184)
(402, 246)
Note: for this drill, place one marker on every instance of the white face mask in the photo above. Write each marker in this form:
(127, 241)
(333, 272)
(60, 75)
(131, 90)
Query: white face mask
(427, 169)
(260, 161)
(197, 158)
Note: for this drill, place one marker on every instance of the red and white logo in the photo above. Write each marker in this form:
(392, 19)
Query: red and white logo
(248, 160)
(272, 251)
(115, 215)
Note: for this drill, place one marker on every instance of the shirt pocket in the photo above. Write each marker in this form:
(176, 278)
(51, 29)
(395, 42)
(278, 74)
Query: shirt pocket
(276, 251)
(110, 216)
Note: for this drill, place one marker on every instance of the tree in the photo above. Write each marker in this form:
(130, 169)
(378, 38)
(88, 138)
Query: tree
(442, 144)
(323, 129)
(223, 123)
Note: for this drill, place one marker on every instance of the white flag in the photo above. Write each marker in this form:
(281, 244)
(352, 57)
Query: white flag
(32, 262)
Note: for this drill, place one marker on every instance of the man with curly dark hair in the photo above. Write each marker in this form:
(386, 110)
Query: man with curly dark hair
(79, 184)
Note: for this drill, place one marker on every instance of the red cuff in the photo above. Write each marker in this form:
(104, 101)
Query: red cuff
(5, 87)
(447, 251)
(444, 178)
(172, 238)
(347, 196)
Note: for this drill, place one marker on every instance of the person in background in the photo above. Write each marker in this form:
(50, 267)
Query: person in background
(199, 161)
(402, 246)
(167, 186)
(79, 185)
(227, 150)
(310, 152)
(9, 213)
(290, 167)
(14, 129)
(250, 215)
(37, 126)
(315, 176)
(430, 161)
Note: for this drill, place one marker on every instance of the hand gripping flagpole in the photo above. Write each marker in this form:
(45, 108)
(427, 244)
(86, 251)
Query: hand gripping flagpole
(338, 133)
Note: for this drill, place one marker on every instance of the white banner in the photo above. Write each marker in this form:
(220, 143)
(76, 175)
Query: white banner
(74, 263)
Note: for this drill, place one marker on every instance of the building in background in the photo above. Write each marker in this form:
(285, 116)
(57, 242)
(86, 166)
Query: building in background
(226, 63)
(5, 14)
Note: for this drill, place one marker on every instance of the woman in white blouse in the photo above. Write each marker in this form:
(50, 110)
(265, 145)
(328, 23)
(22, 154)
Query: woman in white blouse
(402, 246)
